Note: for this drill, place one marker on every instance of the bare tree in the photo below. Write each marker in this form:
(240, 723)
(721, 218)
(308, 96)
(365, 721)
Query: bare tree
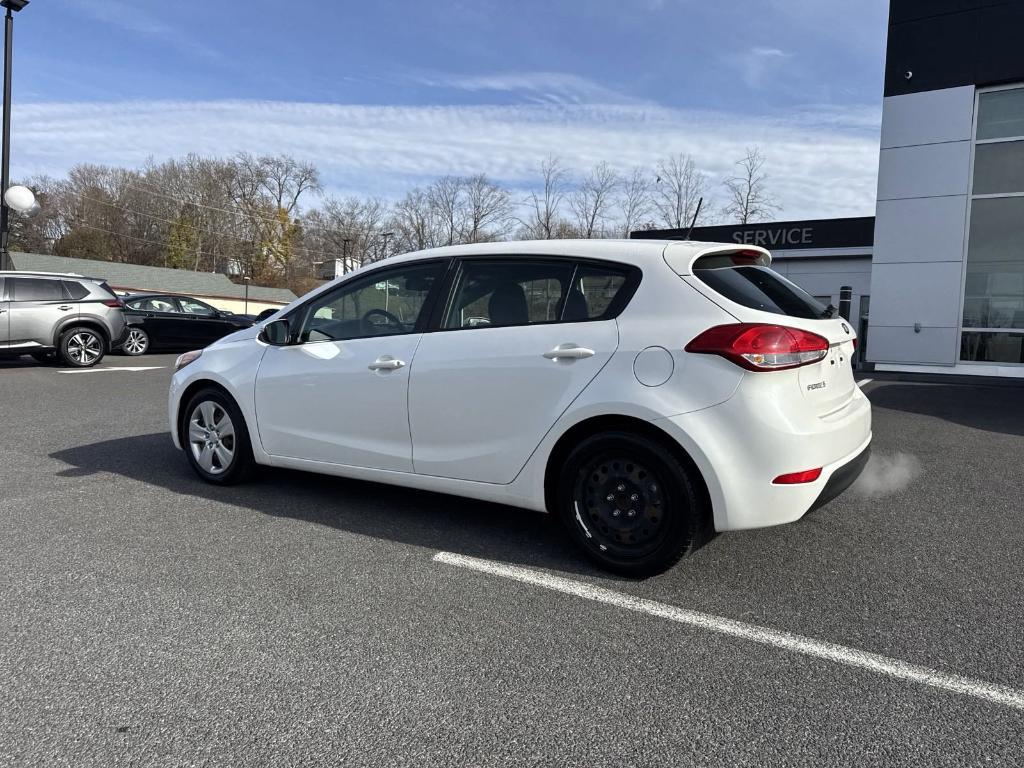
(678, 188)
(414, 222)
(747, 197)
(634, 201)
(592, 200)
(446, 197)
(544, 222)
(488, 210)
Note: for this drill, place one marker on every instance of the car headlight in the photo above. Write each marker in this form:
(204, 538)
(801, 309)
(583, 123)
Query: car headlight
(188, 357)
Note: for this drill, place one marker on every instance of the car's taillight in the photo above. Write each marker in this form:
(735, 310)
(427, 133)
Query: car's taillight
(113, 303)
(795, 478)
(761, 347)
(854, 343)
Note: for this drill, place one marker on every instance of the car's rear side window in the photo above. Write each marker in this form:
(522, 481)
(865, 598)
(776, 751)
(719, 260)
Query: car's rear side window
(34, 289)
(74, 291)
(594, 293)
(763, 289)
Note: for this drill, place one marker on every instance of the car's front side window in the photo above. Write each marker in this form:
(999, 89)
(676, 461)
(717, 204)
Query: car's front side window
(193, 307)
(503, 293)
(386, 304)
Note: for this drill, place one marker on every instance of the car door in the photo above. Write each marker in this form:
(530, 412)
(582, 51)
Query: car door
(339, 394)
(517, 344)
(159, 317)
(36, 305)
(205, 324)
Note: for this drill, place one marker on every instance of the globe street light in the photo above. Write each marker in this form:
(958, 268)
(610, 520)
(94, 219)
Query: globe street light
(12, 6)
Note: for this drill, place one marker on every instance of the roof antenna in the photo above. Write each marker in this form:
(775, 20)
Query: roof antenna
(693, 222)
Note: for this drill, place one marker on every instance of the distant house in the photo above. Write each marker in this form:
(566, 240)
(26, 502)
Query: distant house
(212, 287)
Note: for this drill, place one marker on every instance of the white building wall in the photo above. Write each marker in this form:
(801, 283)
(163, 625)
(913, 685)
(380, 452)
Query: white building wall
(923, 183)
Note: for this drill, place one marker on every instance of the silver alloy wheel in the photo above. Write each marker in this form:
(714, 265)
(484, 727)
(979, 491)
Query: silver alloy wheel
(85, 347)
(137, 342)
(211, 437)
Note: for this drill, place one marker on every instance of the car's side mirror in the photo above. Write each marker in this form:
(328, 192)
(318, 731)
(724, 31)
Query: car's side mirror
(277, 333)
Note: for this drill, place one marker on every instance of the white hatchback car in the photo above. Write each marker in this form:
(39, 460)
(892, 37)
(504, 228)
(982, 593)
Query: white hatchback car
(646, 392)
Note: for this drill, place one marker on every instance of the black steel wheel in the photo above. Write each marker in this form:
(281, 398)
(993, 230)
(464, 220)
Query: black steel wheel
(629, 503)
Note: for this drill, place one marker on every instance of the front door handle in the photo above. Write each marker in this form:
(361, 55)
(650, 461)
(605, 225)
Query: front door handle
(568, 352)
(386, 363)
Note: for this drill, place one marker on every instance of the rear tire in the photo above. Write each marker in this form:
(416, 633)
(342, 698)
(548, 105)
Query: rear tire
(216, 440)
(135, 343)
(81, 347)
(629, 504)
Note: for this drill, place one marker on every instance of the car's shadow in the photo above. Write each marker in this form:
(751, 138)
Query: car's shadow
(419, 518)
(993, 409)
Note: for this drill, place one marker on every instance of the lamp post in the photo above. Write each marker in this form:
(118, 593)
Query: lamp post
(384, 246)
(246, 281)
(5, 156)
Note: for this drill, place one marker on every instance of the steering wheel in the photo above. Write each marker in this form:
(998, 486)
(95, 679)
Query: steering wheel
(390, 322)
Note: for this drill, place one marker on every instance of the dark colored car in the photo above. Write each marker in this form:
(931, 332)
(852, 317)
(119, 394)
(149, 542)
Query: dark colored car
(165, 321)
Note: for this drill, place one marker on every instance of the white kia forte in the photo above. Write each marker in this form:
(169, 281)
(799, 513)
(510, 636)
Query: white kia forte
(646, 392)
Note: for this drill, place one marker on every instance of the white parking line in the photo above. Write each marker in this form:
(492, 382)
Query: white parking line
(124, 368)
(840, 654)
(864, 382)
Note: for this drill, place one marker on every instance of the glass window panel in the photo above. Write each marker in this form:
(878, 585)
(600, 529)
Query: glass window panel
(992, 347)
(994, 295)
(509, 293)
(999, 168)
(383, 304)
(1001, 114)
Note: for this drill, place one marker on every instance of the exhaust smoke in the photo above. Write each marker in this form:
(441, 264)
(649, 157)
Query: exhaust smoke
(887, 473)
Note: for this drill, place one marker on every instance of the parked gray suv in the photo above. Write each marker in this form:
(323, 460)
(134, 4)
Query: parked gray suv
(59, 316)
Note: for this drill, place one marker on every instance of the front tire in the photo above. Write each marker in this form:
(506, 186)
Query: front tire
(136, 342)
(629, 503)
(81, 347)
(216, 440)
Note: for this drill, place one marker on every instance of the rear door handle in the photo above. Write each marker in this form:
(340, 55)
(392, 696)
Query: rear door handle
(568, 352)
(64, 307)
(386, 363)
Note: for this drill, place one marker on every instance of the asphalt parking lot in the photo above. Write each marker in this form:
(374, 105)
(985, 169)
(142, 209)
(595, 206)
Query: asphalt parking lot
(151, 620)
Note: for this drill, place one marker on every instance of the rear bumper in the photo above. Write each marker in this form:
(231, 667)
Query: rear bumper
(742, 445)
(842, 478)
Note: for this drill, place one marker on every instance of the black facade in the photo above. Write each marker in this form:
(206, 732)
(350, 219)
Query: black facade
(936, 44)
(779, 235)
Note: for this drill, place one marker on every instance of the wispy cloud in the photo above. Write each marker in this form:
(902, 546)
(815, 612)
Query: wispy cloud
(385, 150)
(137, 21)
(538, 87)
(758, 65)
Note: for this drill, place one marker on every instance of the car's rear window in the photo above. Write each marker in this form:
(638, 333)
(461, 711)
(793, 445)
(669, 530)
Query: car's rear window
(761, 288)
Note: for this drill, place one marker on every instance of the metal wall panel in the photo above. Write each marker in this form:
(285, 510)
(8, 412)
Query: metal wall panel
(920, 229)
(928, 118)
(928, 170)
(924, 292)
(932, 346)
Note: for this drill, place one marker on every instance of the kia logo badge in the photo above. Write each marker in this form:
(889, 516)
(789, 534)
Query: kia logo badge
(846, 328)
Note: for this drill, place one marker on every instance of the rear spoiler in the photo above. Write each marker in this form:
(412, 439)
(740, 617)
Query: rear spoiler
(682, 256)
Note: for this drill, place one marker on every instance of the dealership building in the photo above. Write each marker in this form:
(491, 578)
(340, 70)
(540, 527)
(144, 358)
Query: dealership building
(938, 273)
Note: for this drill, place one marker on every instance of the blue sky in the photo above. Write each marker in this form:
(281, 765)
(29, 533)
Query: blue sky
(383, 95)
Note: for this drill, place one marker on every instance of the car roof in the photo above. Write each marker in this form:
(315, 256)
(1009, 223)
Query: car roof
(638, 252)
(151, 295)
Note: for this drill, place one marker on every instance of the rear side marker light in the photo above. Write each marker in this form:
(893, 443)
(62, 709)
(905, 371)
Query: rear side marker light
(795, 478)
(761, 346)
